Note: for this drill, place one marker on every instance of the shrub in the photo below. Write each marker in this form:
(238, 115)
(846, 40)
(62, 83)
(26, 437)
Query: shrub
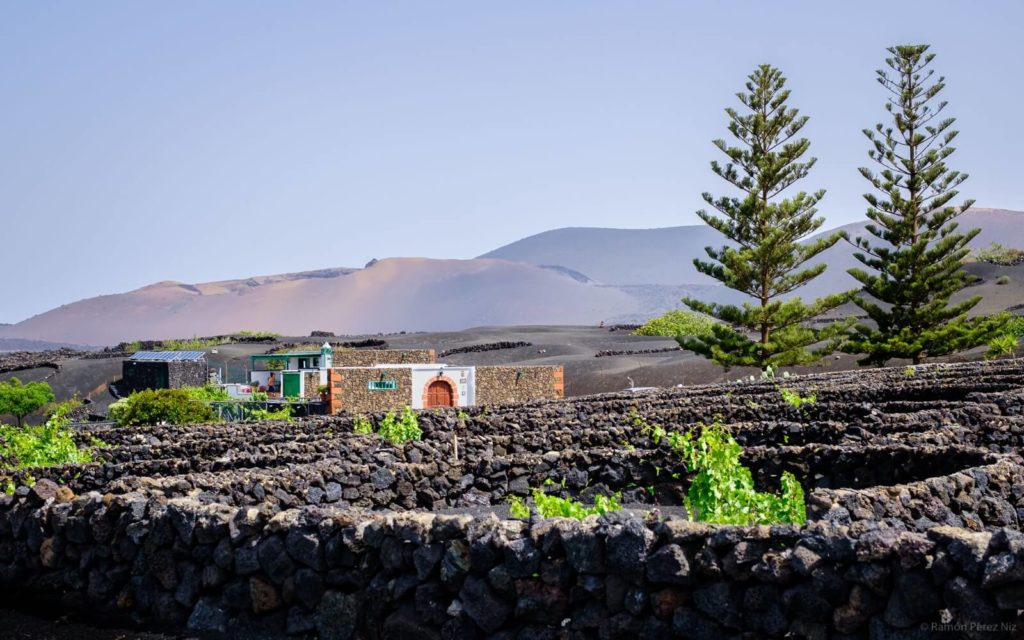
(1002, 345)
(1012, 324)
(996, 253)
(548, 506)
(1003, 280)
(164, 406)
(284, 413)
(1015, 326)
(208, 393)
(274, 364)
(405, 428)
(723, 491)
(117, 410)
(248, 333)
(19, 400)
(49, 444)
(194, 344)
(678, 323)
(794, 399)
(362, 425)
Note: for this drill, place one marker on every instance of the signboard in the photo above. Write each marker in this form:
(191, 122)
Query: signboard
(383, 385)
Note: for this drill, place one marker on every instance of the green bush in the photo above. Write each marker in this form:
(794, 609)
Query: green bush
(117, 410)
(405, 428)
(208, 393)
(548, 506)
(1014, 324)
(1003, 280)
(46, 445)
(678, 323)
(996, 253)
(723, 491)
(1002, 345)
(248, 333)
(163, 406)
(194, 344)
(19, 399)
(362, 425)
(794, 399)
(284, 413)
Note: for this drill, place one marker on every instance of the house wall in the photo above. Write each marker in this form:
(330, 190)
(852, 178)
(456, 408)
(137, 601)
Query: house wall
(476, 385)
(371, 357)
(310, 384)
(138, 375)
(350, 390)
(498, 385)
(460, 378)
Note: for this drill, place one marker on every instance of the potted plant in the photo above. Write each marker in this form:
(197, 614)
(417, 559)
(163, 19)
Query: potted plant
(324, 392)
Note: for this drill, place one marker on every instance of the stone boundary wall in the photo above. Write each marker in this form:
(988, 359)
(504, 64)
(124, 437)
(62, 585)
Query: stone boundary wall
(371, 357)
(501, 385)
(220, 571)
(279, 529)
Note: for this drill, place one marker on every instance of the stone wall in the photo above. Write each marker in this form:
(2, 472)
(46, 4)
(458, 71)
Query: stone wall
(499, 385)
(350, 390)
(220, 571)
(311, 385)
(371, 357)
(915, 497)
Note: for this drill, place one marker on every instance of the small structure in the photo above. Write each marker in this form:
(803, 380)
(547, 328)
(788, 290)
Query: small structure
(291, 374)
(389, 387)
(164, 370)
(365, 380)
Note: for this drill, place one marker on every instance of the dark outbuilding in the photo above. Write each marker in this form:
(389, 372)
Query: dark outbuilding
(164, 370)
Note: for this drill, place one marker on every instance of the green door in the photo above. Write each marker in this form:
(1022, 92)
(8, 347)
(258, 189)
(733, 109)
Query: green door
(291, 385)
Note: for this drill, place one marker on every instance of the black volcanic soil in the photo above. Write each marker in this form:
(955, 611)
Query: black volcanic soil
(20, 626)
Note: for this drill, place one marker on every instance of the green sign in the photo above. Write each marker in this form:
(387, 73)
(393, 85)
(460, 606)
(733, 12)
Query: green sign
(383, 385)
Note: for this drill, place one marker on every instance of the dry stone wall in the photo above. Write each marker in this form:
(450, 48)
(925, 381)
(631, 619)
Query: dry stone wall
(351, 392)
(500, 385)
(372, 357)
(915, 497)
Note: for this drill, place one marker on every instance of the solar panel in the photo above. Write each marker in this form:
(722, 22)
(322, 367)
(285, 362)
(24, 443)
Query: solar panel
(169, 356)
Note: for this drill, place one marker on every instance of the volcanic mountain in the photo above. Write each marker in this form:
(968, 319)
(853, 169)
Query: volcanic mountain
(564, 276)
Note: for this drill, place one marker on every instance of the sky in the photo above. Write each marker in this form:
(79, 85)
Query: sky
(201, 141)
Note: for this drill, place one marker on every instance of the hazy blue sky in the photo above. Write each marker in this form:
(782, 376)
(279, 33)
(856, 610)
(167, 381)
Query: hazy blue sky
(199, 141)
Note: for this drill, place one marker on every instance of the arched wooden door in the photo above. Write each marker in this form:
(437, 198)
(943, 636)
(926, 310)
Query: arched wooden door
(440, 394)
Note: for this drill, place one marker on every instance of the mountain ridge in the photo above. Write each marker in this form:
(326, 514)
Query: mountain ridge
(573, 275)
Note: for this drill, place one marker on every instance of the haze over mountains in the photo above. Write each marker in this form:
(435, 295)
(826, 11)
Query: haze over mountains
(563, 276)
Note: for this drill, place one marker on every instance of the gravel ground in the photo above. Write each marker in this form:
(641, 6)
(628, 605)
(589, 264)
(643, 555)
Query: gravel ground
(19, 626)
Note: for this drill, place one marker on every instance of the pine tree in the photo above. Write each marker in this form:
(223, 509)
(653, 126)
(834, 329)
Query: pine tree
(916, 264)
(766, 258)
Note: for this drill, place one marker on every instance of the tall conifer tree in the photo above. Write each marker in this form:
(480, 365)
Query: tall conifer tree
(766, 259)
(915, 263)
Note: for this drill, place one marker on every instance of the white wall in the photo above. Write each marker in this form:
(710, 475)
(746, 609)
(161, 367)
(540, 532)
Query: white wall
(463, 377)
